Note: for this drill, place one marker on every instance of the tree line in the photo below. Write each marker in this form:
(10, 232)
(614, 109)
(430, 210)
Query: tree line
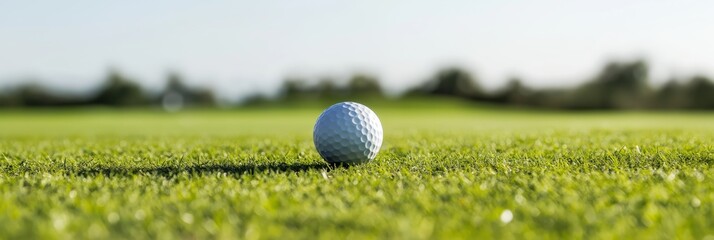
(619, 85)
(117, 90)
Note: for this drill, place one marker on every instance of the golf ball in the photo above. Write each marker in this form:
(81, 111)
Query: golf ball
(348, 132)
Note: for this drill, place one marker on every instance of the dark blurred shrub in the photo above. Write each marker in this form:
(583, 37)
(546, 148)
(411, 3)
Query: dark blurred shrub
(362, 85)
(6, 100)
(514, 93)
(359, 86)
(294, 89)
(177, 90)
(619, 85)
(328, 90)
(549, 98)
(118, 90)
(35, 95)
(454, 82)
(257, 100)
(700, 92)
(9, 98)
(672, 95)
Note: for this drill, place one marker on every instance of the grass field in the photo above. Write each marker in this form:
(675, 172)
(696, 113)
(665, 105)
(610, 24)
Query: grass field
(442, 173)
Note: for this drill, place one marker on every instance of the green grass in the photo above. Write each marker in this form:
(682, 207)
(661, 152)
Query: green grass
(442, 173)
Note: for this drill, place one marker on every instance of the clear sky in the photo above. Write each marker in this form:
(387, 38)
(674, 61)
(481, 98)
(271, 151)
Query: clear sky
(238, 47)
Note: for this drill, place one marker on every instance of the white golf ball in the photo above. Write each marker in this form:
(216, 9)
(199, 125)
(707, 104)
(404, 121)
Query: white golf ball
(348, 132)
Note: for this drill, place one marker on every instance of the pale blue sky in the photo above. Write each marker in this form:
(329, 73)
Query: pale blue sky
(244, 46)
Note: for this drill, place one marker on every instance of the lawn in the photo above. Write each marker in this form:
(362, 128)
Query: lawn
(451, 172)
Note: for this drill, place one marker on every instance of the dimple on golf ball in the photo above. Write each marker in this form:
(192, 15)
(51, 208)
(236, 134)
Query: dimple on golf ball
(348, 132)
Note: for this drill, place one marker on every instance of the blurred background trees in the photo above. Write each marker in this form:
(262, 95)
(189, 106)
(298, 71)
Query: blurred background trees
(700, 93)
(177, 94)
(514, 93)
(294, 91)
(451, 82)
(119, 91)
(619, 85)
